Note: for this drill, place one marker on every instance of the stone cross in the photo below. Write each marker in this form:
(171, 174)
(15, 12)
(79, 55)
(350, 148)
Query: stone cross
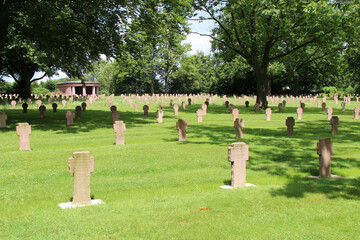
(323, 106)
(13, 104)
(25, 107)
(329, 112)
(181, 126)
(280, 107)
(246, 104)
(38, 102)
(146, 110)
(83, 106)
(115, 115)
(268, 114)
(42, 110)
(189, 101)
(302, 105)
(199, 114)
(54, 106)
(290, 123)
(257, 107)
(324, 150)
(356, 113)
(238, 154)
(283, 103)
(3, 118)
(78, 111)
(334, 121)
(299, 112)
(239, 126)
(159, 116)
(23, 130)
(70, 118)
(343, 106)
(231, 107)
(119, 129)
(176, 109)
(183, 105)
(81, 165)
(136, 106)
(63, 102)
(113, 108)
(171, 102)
(204, 108)
(235, 113)
(227, 104)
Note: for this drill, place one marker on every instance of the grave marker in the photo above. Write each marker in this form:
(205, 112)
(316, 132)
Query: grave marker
(324, 150)
(25, 107)
(159, 116)
(299, 112)
(181, 125)
(356, 113)
(199, 114)
(3, 118)
(329, 112)
(78, 111)
(146, 110)
(239, 126)
(23, 130)
(119, 129)
(70, 118)
(238, 154)
(290, 123)
(235, 113)
(42, 110)
(115, 115)
(176, 109)
(268, 112)
(83, 106)
(334, 121)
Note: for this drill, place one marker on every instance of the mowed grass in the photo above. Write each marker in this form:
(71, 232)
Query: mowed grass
(154, 186)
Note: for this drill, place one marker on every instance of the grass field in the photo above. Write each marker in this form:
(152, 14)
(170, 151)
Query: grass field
(154, 186)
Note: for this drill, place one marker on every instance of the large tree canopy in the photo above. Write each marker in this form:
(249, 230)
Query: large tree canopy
(264, 31)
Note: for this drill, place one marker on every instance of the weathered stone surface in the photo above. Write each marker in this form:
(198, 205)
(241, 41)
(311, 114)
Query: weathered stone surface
(283, 103)
(334, 121)
(183, 105)
(42, 110)
(3, 118)
(119, 129)
(176, 109)
(115, 115)
(329, 112)
(189, 101)
(356, 113)
(343, 106)
(235, 113)
(81, 165)
(199, 114)
(181, 126)
(290, 123)
(227, 104)
(113, 108)
(159, 116)
(146, 110)
(239, 126)
(302, 105)
(268, 112)
(13, 104)
(299, 112)
(323, 106)
(70, 118)
(78, 111)
(238, 154)
(23, 130)
(324, 150)
(83, 106)
(54, 107)
(231, 107)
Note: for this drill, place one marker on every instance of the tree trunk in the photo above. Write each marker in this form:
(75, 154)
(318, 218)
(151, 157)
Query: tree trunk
(4, 22)
(24, 83)
(263, 87)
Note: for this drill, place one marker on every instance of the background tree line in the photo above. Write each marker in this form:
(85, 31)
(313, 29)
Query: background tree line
(258, 47)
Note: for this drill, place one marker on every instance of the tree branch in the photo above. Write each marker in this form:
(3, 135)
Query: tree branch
(37, 79)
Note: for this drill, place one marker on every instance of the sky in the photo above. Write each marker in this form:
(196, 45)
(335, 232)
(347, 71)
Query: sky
(198, 43)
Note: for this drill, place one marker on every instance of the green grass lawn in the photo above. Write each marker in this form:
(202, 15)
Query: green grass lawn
(154, 186)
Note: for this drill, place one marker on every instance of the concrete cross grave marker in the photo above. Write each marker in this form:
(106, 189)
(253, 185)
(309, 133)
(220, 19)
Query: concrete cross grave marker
(42, 110)
(83, 106)
(80, 166)
(113, 108)
(302, 105)
(246, 104)
(78, 111)
(235, 113)
(38, 102)
(63, 102)
(159, 116)
(299, 112)
(183, 105)
(146, 110)
(13, 104)
(115, 115)
(119, 129)
(199, 114)
(356, 113)
(231, 107)
(290, 123)
(204, 107)
(70, 118)
(323, 106)
(227, 104)
(181, 126)
(23, 130)
(268, 114)
(280, 107)
(329, 112)
(54, 107)
(334, 121)
(238, 154)
(136, 106)
(239, 126)
(189, 101)
(25, 107)
(343, 106)
(3, 118)
(283, 103)
(176, 109)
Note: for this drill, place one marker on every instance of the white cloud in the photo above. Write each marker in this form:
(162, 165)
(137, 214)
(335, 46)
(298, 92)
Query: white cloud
(198, 43)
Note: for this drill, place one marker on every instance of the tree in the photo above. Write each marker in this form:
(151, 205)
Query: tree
(264, 31)
(51, 35)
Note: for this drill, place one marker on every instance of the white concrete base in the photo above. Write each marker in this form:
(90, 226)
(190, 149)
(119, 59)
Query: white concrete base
(70, 205)
(230, 187)
(332, 176)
